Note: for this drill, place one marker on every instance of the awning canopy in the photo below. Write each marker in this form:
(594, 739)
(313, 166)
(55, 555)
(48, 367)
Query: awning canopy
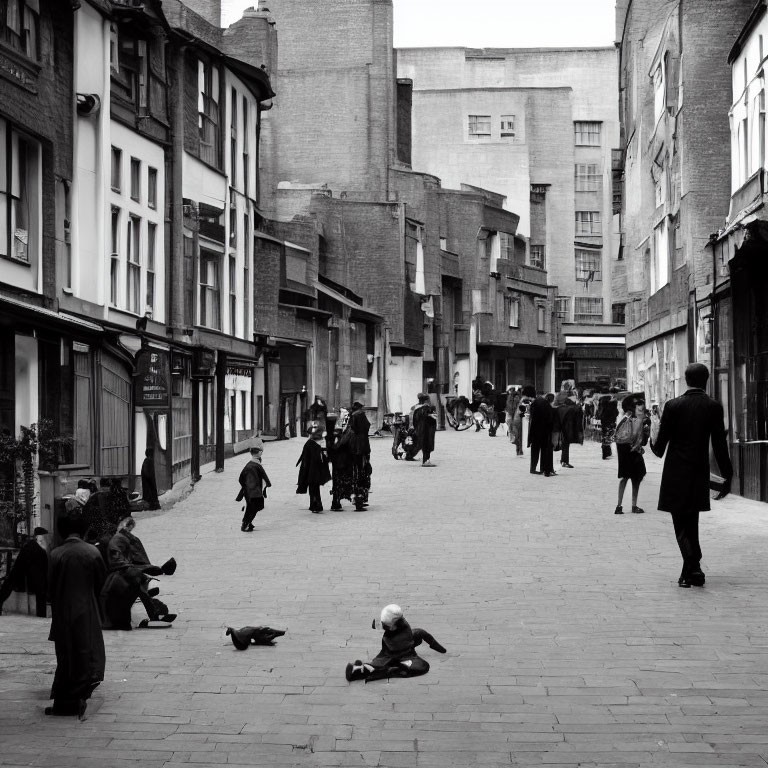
(47, 315)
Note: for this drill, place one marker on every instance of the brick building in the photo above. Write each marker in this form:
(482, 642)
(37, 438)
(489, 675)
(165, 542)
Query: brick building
(537, 126)
(675, 93)
(733, 340)
(338, 150)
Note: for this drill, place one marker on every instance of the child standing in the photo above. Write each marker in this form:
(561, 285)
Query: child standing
(313, 469)
(253, 486)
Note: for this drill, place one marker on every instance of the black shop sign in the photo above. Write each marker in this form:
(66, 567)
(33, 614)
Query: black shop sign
(153, 377)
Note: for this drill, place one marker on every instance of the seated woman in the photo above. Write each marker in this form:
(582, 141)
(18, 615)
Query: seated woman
(397, 657)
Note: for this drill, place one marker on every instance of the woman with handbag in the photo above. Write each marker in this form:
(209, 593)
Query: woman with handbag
(630, 435)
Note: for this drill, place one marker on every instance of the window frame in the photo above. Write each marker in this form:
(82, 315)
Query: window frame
(581, 130)
(586, 302)
(505, 131)
(473, 122)
(563, 314)
(116, 169)
(135, 192)
(209, 293)
(152, 187)
(586, 256)
(512, 311)
(25, 40)
(149, 293)
(589, 180)
(591, 218)
(532, 260)
(133, 265)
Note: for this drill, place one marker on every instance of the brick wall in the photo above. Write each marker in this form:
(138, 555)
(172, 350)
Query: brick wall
(333, 119)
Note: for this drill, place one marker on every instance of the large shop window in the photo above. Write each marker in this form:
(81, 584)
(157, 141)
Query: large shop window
(20, 25)
(19, 190)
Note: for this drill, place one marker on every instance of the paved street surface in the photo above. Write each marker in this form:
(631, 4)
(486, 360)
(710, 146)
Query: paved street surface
(569, 642)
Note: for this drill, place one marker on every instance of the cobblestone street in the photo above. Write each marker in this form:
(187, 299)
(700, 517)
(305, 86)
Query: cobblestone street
(569, 642)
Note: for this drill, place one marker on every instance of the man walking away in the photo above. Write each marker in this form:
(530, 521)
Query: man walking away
(608, 412)
(688, 423)
(76, 575)
(540, 434)
(425, 425)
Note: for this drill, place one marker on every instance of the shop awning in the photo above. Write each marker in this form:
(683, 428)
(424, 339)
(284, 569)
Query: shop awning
(47, 315)
(357, 309)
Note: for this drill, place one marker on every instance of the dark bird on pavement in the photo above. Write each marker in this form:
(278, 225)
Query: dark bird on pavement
(245, 636)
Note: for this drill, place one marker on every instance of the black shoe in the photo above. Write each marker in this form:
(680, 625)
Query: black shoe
(243, 527)
(535, 472)
(336, 508)
(681, 582)
(566, 464)
(638, 510)
(619, 510)
(154, 592)
(250, 528)
(696, 578)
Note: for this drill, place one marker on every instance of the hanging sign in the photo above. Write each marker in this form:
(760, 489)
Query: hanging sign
(152, 378)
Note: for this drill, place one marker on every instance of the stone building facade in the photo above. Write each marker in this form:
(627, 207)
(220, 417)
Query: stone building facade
(537, 126)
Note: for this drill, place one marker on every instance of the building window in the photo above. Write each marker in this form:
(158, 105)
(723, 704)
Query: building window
(151, 245)
(506, 246)
(588, 310)
(587, 177)
(246, 273)
(189, 281)
(232, 295)
(537, 258)
(513, 311)
(117, 169)
(659, 91)
(114, 265)
(210, 282)
(133, 72)
(135, 179)
(233, 142)
(587, 134)
(541, 317)
(588, 223)
(114, 55)
(563, 308)
(507, 126)
(246, 142)
(618, 313)
(152, 187)
(19, 26)
(479, 126)
(660, 189)
(208, 112)
(133, 251)
(589, 265)
(232, 224)
(19, 187)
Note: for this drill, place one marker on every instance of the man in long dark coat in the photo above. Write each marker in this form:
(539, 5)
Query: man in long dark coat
(425, 426)
(76, 574)
(688, 424)
(542, 416)
(149, 481)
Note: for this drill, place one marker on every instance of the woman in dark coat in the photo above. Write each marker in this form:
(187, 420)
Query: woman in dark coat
(75, 577)
(631, 461)
(542, 416)
(425, 426)
(313, 470)
(149, 481)
(360, 448)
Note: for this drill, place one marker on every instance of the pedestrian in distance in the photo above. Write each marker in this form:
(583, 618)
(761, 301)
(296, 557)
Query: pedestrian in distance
(425, 426)
(75, 577)
(542, 416)
(149, 481)
(313, 469)
(688, 424)
(360, 448)
(523, 404)
(253, 486)
(510, 409)
(607, 413)
(571, 427)
(630, 438)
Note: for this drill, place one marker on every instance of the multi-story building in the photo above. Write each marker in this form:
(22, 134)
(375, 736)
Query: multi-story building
(675, 93)
(733, 337)
(338, 149)
(537, 126)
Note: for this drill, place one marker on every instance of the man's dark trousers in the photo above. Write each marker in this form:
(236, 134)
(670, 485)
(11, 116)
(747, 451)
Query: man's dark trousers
(547, 457)
(315, 500)
(687, 534)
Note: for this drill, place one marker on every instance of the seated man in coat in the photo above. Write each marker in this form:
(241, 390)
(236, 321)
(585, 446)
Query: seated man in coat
(129, 576)
(398, 657)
